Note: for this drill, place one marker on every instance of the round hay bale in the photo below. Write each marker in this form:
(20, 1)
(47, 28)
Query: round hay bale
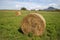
(33, 23)
(18, 13)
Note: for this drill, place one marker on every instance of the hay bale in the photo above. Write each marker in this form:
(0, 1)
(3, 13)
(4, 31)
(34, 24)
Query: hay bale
(18, 13)
(33, 23)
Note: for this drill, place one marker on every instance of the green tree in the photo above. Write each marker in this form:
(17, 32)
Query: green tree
(23, 8)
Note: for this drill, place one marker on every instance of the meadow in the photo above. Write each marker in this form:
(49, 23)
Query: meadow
(10, 23)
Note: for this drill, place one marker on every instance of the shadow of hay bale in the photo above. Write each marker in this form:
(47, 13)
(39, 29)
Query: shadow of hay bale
(19, 30)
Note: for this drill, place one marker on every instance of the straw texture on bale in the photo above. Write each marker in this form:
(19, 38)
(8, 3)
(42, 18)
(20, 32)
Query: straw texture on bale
(33, 23)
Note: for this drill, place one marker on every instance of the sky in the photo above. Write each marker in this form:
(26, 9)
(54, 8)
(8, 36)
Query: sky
(29, 4)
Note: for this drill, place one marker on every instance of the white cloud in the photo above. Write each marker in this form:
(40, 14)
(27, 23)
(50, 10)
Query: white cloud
(53, 5)
(17, 6)
(11, 4)
(30, 5)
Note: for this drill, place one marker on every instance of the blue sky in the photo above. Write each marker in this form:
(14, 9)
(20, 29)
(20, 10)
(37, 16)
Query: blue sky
(29, 4)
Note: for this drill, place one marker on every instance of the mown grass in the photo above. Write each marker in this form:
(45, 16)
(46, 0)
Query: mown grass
(10, 23)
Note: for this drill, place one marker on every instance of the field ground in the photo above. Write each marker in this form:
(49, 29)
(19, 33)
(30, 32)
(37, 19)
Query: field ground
(10, 23)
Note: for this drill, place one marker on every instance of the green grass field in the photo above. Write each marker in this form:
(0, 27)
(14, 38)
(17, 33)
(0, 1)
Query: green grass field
(10, 23)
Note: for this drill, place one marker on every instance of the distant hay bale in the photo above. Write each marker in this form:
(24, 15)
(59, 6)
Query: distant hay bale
(18, 13)
(33, 23)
